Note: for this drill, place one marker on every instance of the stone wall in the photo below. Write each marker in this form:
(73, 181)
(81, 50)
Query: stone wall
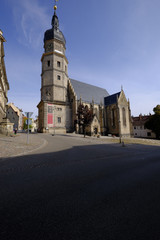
(6, 127)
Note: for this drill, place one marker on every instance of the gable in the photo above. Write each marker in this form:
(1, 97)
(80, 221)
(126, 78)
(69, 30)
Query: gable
(122, 98)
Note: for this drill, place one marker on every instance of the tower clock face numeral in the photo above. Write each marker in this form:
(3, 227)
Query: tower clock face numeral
(49, 47)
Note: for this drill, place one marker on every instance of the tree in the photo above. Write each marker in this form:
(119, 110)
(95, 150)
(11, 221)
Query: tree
(154, 122)
(25, 125)
(85, 115)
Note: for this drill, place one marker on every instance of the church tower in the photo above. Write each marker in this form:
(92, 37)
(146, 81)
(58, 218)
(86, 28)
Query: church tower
(54, 110)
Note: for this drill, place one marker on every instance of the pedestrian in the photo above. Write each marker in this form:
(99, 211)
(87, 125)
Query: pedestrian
(15, 131)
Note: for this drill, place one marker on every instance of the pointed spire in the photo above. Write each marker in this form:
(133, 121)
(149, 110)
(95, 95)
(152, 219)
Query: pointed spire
(55, 21)
(80, 100)
(1, 36)
(128, 102)
(92, 100)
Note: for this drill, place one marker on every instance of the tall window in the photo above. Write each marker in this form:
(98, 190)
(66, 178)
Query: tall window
(58, 77)
(48, 63)
(124, 116)
(113, 118)
(59, 119)
(58, 64)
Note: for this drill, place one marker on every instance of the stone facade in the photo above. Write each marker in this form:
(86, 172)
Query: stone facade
(5, 126)
(54, 108)
(4, 85)
(118, 115)
(61, 96)
(94, 127)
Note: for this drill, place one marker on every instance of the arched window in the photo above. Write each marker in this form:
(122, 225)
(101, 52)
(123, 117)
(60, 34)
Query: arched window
(124, 116)
(113, 118)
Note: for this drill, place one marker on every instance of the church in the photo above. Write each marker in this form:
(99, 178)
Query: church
(67, 105)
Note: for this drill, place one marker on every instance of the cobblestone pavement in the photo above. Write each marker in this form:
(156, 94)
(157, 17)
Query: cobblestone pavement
(17, 144)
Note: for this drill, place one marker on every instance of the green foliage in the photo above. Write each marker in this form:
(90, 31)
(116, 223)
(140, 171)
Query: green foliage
(156, 110)
(154, 122)
(25, 125)
(85, 115)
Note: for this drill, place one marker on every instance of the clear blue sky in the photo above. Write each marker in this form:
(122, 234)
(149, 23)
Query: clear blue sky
(109, 43)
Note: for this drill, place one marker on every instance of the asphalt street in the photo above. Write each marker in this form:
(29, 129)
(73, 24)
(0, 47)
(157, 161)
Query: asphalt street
(77, 188)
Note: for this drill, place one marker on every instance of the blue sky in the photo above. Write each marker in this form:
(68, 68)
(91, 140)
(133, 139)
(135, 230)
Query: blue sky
(110, 43)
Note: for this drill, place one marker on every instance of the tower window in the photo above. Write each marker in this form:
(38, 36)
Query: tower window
(58, 77)
(124, 116)
(113, 117)
(48, 63)
(58, 64)
(59, 119)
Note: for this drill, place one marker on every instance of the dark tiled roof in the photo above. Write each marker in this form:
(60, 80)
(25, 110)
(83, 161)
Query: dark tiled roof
(140, 120)
(88, 92)
(111, 99)
(54, 32)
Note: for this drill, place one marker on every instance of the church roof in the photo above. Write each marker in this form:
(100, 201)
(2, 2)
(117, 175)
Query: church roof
(54, 32)
(88, 93)
(111, 99)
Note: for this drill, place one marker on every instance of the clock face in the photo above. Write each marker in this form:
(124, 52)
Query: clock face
(49, 47)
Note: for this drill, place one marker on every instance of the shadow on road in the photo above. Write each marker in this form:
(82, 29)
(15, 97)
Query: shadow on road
(85, 192)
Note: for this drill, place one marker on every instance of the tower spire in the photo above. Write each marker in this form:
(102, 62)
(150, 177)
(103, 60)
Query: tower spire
(55, 22)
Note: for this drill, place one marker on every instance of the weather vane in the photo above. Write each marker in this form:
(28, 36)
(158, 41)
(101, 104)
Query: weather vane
(55, 5)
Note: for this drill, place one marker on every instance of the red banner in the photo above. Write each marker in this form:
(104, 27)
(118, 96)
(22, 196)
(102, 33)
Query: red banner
(50, 118)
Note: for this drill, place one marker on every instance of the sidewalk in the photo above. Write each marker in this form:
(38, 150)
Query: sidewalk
(126, 140)
(17, 145)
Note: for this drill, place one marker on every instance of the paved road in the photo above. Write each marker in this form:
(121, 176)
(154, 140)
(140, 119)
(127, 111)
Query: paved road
(76, 188)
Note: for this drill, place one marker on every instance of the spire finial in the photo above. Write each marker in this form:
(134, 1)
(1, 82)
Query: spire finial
(55, 5)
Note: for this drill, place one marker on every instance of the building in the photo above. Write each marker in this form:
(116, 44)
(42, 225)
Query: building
(61, 96)
(118, 114)
(139, 129)
(4, 85)
(15, 115)
(5, 126)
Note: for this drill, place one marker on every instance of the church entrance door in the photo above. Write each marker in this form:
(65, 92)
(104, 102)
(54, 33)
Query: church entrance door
(95, 130)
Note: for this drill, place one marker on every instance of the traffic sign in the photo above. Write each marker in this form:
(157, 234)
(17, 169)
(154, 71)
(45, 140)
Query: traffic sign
(30, 121)
(28, 114)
